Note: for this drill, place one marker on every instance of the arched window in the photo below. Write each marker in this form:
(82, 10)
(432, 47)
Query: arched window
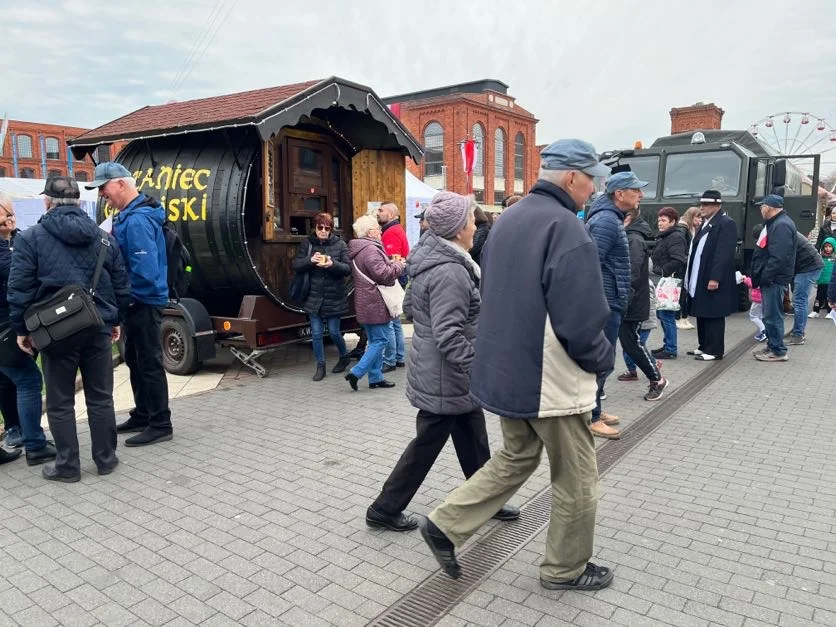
(103, 153)
(433, 149)
(2, 171)
(519, 156)
(27, 173)
(499, 153)
(24, 147)
(52, 149)
(81, 175)
(479, 138)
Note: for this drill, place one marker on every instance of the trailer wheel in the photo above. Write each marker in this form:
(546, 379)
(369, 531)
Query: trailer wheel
(179, 352)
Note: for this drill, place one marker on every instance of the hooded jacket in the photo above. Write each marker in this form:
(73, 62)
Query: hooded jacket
(62, 249)
(326, 297)
(371, 260)
(540, 338)
(773, 263)
(443, 302)
(827, 269)
(638, 234)
(139, 230)
(606, 227)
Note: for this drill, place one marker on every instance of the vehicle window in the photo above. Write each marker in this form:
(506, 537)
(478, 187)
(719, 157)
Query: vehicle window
(760, 181)
(692, 174)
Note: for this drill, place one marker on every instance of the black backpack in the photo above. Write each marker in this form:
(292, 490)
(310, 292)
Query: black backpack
(178, 260)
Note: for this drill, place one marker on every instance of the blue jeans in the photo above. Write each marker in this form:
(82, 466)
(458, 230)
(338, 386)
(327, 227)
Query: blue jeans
(773, 317)
(611, 333)
(317, 331)
(643, 335)
(802, 284)
(372, 360)
(394, 351)
(668, 321)
(28, 381)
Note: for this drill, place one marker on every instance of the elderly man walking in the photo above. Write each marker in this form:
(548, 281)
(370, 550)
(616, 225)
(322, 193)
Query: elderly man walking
(773, 261)
(710, 276)
(535, 366)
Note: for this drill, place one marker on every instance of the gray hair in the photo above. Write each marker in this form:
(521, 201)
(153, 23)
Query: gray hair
(556, 177)
(364, 224)
(51, 202)
(129, 180)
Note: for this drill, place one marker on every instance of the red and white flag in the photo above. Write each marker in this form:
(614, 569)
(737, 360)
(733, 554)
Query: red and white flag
(469, 161)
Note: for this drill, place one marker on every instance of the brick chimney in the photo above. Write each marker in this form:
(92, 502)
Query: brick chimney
(697, 117)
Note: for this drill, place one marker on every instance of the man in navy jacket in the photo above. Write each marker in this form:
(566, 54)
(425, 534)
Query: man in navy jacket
(773, 264)
(138, 227)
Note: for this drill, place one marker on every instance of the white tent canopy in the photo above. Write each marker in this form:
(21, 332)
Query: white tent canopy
(29, 204)
(418, 196)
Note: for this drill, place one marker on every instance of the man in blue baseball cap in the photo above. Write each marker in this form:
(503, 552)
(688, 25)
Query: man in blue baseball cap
(606, 227)
(534, 365)
(138, 227)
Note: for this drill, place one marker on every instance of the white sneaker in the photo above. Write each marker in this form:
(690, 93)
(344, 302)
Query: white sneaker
(813, 314)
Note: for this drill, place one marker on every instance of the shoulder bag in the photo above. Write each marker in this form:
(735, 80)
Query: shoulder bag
(392, 294)
(51, 323)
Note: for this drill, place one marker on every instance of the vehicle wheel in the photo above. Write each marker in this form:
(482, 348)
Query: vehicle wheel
(742, 297)
(179, 353)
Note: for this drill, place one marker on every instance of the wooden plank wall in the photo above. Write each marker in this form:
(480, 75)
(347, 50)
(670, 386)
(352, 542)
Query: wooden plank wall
(377, 175)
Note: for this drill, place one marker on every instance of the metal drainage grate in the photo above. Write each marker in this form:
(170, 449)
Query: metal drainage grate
(434, 597)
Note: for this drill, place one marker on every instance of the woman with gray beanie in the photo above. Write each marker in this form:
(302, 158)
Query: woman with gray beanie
(443, 302)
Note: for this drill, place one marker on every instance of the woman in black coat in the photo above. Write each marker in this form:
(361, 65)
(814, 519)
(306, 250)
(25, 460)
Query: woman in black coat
(670, 257)
(483, 227)
(325, 257)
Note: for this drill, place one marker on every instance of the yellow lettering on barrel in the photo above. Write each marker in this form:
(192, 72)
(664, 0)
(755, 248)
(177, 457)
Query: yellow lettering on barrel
(137, 174)
(176, 176)
(188, 210)
(203, 209)
(204, 172)
(173, 209)
(165, 171)
(186, 178)
(147, 179)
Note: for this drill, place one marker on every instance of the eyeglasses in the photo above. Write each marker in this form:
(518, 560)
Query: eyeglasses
(322, 227)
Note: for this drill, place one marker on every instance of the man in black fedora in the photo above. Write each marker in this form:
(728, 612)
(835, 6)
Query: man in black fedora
(710, 279)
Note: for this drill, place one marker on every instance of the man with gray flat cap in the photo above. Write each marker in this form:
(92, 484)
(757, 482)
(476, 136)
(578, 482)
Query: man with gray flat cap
(539, 345)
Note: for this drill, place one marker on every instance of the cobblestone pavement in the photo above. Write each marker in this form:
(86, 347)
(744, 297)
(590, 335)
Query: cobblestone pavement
(253, 514)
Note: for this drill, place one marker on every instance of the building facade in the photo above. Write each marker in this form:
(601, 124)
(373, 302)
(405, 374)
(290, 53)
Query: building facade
(38, 151)
(507, 160)
(697, 117)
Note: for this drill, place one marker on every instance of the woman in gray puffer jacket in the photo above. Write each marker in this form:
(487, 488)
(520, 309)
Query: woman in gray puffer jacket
(443, 302)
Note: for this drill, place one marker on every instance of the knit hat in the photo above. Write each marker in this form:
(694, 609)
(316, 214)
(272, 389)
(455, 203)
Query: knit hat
(447, 214)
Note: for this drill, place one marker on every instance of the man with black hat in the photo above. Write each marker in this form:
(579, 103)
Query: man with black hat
(773, 261)
(423, 224)
(138, 227)
(710, 279)
(63, 249)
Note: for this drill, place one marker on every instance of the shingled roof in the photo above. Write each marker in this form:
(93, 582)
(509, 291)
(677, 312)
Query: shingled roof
(262, 108)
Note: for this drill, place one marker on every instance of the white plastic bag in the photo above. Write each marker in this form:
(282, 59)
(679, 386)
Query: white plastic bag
(667, 293)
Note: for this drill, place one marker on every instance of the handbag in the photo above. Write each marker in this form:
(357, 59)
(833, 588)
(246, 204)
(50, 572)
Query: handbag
(52, 323)
(392, 294)
(10, 354)
(668, 291)
(300, 286)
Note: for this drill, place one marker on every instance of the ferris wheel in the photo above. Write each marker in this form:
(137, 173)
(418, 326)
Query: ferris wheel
(799, 133)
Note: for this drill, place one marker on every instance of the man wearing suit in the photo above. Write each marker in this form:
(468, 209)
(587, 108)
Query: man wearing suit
(710, 277)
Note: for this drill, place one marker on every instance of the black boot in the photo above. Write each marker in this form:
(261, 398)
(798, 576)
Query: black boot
(442, 548)
(352, 380)
(149, 435)
(342, 364)
(320, 372)
(131, 425)
(46, 454)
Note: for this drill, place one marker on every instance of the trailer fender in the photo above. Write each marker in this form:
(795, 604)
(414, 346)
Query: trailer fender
(187, 336)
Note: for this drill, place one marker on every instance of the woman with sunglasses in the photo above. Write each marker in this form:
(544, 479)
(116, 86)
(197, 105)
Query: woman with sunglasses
(325, 256)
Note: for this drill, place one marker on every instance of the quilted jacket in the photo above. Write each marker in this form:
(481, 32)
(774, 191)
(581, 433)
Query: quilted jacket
(62, 249)
(606, 227)
(327, 296)
(371, 259)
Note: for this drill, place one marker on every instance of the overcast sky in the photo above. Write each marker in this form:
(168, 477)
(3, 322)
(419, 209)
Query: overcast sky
(606, 71)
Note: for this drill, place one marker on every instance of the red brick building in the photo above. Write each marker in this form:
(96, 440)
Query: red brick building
(697, 117)
(42, 152)
(507, 160)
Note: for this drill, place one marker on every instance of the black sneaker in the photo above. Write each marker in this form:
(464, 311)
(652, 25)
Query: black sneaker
(9, 456)
(49, 473)
(131, 425)
(663, 354)
(149, 436)
(46, 454)
(593, 578)
(441, 546)
(656, 390)
(388, 368)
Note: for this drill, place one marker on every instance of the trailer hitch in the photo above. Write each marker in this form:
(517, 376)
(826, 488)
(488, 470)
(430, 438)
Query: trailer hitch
(249, 360)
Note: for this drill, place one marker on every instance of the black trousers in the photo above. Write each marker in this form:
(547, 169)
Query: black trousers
(91, 354)
(8, 402)
(821, 303)
(711, 335)
(144, 356)
(628, 335)
(469, 438)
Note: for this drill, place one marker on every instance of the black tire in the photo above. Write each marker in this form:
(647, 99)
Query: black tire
(742, 297)
(179, 351)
